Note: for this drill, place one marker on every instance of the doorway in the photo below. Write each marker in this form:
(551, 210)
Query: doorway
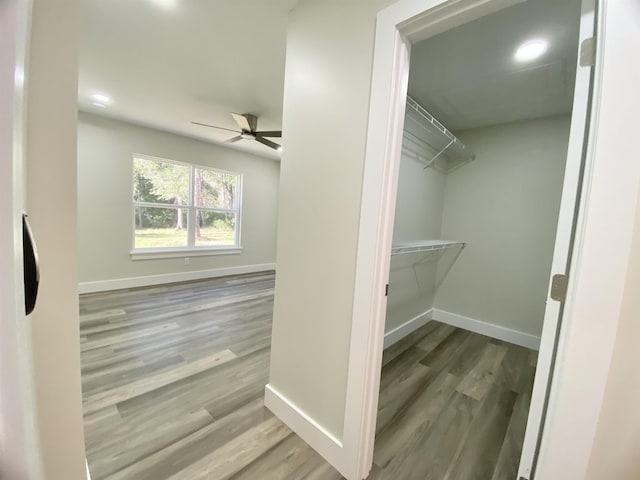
(387, 124)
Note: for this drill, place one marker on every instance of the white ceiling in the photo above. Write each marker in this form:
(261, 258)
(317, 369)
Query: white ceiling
(165, 63)
(467, 77)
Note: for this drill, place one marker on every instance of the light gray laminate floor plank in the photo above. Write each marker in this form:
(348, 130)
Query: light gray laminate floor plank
(477, 382)
(173, 386)
(448, 350)
(142, 440)
(279, 462)
(398, 393)
(440, 448)
(396, 444)
(152, 382)
(236, 454)
(436, 337)
(509, 458)
(189, 449)
(410, 340)
(480, 451)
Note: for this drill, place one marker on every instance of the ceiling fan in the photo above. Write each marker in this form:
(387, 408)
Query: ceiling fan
(248, 124)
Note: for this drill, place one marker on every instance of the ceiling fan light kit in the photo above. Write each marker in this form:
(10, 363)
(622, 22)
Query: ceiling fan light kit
(248, 124)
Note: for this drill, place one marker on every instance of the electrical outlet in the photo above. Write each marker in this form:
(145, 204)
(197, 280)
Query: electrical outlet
(187, 261)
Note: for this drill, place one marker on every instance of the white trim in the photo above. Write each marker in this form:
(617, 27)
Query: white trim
(307, 428)
(133, 282)
(492, 330)
(489, 329)
(401, 331)
(154, 254)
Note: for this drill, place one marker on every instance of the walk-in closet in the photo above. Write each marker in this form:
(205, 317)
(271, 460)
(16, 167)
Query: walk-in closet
(485, 141)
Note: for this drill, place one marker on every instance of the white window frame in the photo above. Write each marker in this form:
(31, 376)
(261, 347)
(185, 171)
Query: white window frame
(190, 250)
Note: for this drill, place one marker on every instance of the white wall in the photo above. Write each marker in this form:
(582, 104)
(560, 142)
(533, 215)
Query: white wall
(505, 206)
(327, 81)
(419, 203)
(418, 216)
(51, 153)
(615, 449)
(105, 149)
(19, 455)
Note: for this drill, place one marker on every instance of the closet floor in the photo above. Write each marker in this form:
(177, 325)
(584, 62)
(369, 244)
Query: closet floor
(453, 405)
(173, 382)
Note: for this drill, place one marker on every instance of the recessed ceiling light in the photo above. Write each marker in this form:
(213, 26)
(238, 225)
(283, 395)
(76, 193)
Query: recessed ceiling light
(101, 98)
(165, 3)
(100, 105)
(531, 50)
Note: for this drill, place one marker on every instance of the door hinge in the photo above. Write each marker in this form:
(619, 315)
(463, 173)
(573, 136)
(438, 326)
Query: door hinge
(386, 290)
(588, 52)
(559, 284)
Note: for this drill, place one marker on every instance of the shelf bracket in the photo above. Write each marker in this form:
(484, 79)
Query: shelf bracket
(441, 152)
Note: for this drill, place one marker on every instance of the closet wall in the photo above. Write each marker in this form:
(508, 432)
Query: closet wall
(419, 208)
(504, 205)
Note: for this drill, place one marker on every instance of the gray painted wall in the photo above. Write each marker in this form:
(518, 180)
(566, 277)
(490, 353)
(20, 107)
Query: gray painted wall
(418, 216)
(105, 149)
(505, 206)
(326, 104)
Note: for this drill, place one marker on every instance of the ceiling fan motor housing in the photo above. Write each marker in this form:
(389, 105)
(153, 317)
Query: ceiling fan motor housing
(248, 124)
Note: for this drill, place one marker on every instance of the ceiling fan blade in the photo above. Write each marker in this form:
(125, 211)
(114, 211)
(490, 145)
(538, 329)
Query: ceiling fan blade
(246, 121)
(268, 143)
(213, 126)
(234, 139)
(269, 133)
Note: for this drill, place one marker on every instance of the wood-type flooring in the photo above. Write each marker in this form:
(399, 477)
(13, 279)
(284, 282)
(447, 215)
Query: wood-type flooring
(173, 382)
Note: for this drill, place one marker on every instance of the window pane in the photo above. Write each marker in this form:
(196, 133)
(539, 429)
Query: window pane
(160, 227)
(160, 182)
(215, 229)
(214, 189)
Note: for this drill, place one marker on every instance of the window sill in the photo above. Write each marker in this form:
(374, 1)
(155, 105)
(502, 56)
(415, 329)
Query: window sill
(183, 252)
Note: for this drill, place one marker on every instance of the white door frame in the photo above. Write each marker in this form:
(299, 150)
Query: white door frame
(398, 26)
(19, 448)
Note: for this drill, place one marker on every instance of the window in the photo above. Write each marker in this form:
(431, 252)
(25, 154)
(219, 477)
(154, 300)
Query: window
(183, 207)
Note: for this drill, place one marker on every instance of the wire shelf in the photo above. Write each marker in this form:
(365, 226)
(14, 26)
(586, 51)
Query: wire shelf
(430, 142)
(421, 246)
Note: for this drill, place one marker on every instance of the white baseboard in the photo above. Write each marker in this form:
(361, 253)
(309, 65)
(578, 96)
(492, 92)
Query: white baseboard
(490, 330)
(133, 282)
(406, 328)
(323, 442)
